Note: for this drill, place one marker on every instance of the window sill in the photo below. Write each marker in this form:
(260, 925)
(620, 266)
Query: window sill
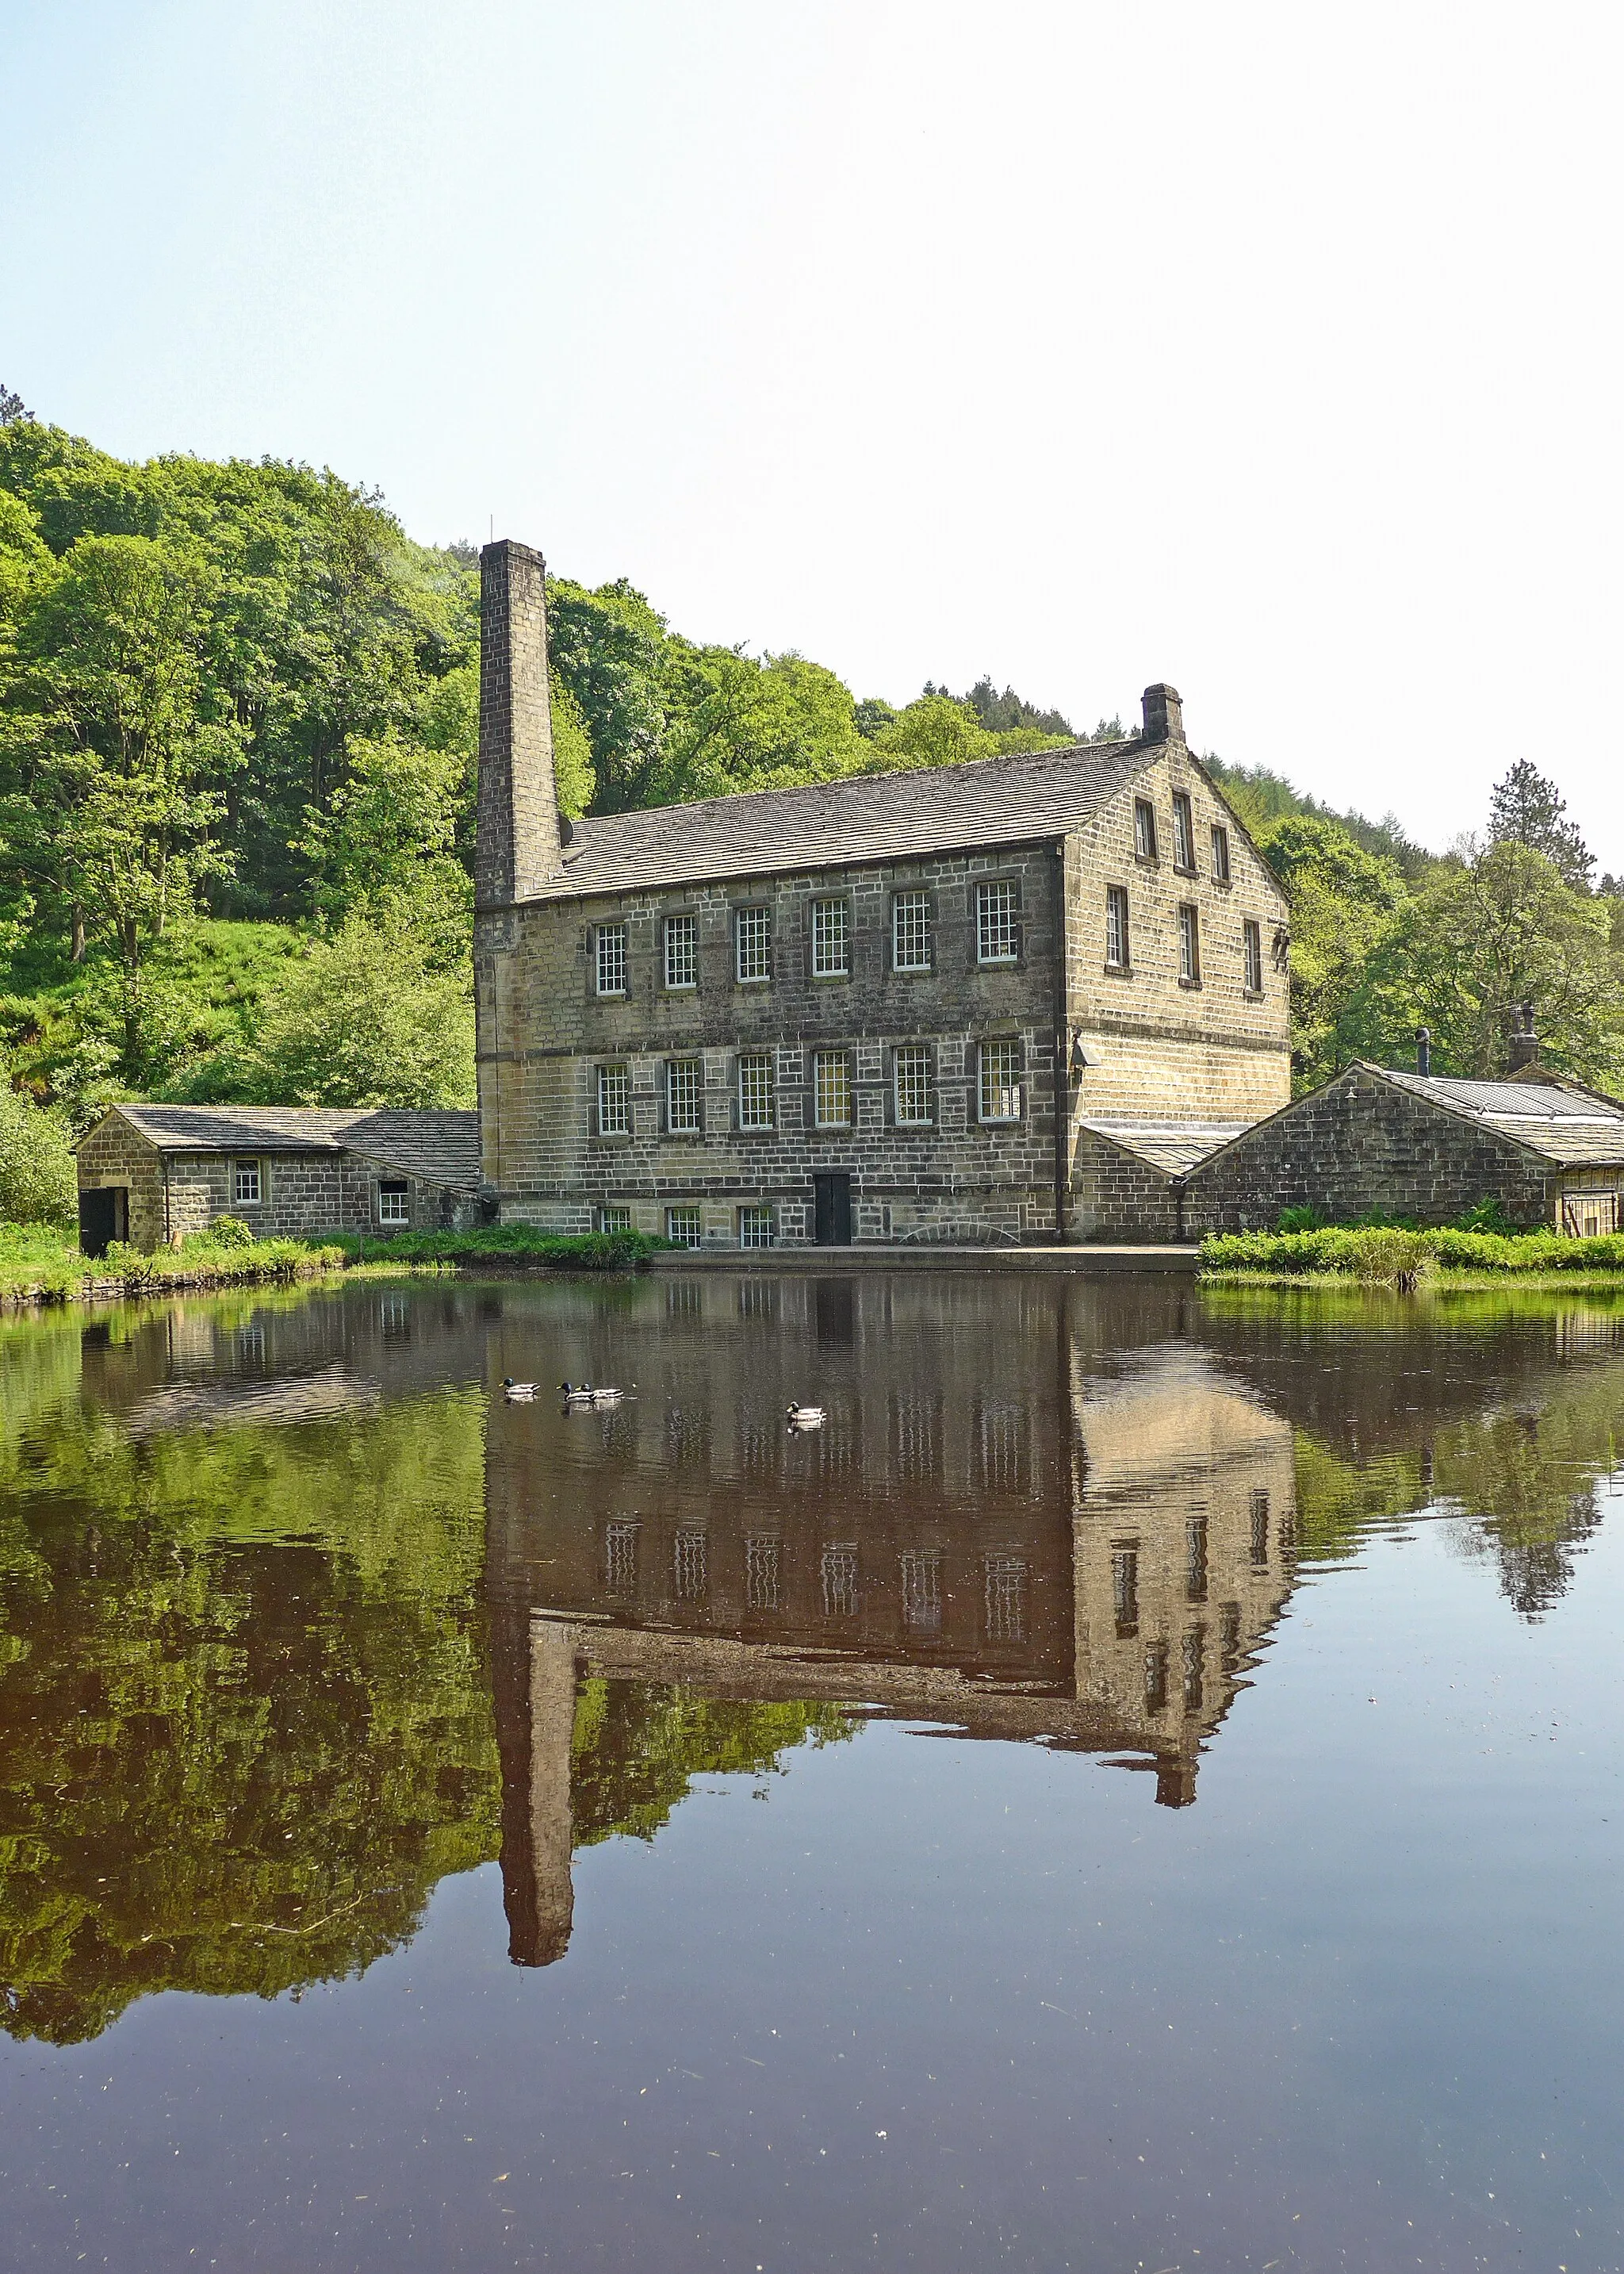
(1146, 861)
(830, 978)
(1222, 883)
(1118, 970)
(609, 995)
(1253, 994)
(1195, 985)
(997, 963)
(756, 1129)
(912, 970)
(766, 980)
(1180, 871)
(680, 987)
(611, 1136)
(831, 1129)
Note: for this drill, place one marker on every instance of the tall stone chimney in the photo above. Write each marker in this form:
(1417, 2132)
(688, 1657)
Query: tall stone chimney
(1164, 714)
(516, 845)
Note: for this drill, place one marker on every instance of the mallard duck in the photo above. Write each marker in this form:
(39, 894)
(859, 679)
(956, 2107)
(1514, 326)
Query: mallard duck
(581, 1393)
(805, 1417)
(518, 1393)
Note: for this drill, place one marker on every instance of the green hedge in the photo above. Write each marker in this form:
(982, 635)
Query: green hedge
(1350, 1251)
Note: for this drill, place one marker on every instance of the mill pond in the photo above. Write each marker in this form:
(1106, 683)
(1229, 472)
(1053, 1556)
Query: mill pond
(1137, 1789)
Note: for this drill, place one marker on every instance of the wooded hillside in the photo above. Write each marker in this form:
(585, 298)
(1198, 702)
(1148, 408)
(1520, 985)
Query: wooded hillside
(238, 712)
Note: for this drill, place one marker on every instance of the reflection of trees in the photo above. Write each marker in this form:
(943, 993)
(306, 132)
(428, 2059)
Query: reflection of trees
(1524, 1480)
(639, 1744)
(246, 1717)
(230, 1763)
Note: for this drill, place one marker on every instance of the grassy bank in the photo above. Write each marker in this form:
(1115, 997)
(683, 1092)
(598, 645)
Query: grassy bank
(1384, 1255)
(39, 1264)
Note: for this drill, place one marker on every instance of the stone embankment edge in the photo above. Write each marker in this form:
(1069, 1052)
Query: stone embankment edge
(1091, 1263)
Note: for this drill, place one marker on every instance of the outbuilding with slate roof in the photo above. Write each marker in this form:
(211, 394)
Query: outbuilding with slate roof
(150, 1174)
(1424, 1147)
(967, 1004)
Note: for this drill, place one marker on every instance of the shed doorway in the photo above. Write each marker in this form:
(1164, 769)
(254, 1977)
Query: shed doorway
(831, 1209)
(103, 1217)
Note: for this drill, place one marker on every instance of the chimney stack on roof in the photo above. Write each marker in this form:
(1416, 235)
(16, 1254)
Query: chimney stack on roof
(1423, 1051)
(1164, 714)
(516, 845)
(1524, 1043)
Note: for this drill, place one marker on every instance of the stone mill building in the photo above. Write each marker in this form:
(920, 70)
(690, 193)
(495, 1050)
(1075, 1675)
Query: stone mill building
(1012, 1001)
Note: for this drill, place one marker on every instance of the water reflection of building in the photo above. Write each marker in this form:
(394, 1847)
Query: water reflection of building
(1003, 1528)
(1185, 1546)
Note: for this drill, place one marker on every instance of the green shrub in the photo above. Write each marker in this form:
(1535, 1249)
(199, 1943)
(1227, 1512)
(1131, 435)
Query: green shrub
(39, 1183)
(1299, 1219)
(1383, 1256)
(1485, 1214)
(1373, 1251)
(230, 1232)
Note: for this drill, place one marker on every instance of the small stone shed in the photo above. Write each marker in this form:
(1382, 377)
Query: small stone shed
(1425, 1146)
(150, 1174)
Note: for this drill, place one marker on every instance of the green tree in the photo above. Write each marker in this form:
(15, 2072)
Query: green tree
(1478, 941)
(1526, 808)
(39, 1183)
(111, 737)
(365, 1019)
(1345, 902)
(935, 730)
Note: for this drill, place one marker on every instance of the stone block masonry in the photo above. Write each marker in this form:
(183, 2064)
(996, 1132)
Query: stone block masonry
(1362, 1146)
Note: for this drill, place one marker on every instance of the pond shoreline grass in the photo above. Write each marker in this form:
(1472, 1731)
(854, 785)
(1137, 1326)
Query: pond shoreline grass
(1395, 1256)
(39, 1263)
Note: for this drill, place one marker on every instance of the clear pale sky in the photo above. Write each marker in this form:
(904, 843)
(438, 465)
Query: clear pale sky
(1270, 350)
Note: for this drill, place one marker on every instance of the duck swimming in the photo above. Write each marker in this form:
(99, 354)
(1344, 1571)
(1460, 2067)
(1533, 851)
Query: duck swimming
(581, 1393)
(805, 1417)
(519, 1393)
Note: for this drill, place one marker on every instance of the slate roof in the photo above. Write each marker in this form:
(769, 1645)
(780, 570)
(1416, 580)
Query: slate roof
(898, 816)
(1174, 1147)
(1572, 1128)
(439, 1145)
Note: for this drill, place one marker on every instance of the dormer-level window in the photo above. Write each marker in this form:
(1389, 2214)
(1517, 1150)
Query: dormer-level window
(830, 951)
(681, 951)
(1117, 927)
(1189, 944)
(998, 939)
(1251, 956)
(910, 932)
(753, 945)
(1221, 854)
(1143, 829)
(1183, 834)
(612, 959)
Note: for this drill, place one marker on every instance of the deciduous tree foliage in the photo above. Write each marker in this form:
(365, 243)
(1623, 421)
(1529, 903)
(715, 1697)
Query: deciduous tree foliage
(236, 693)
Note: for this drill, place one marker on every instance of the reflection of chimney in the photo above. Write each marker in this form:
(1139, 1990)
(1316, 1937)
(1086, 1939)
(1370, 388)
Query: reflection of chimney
(516, 845)
(552, 1729)
(1164, 714)
(1524, 1043)
(1175, 1782)
(533, 1671)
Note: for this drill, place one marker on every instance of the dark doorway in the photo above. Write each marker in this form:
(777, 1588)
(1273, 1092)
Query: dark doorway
(103, 1217)
(831, 1209)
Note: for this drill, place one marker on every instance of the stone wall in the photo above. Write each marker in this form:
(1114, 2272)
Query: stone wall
(544, 1031)
(1117, 1194)
(1359, 1146)
(1159, 1047)
(302, 1193)
(112, 1154)
(1208, 1049)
